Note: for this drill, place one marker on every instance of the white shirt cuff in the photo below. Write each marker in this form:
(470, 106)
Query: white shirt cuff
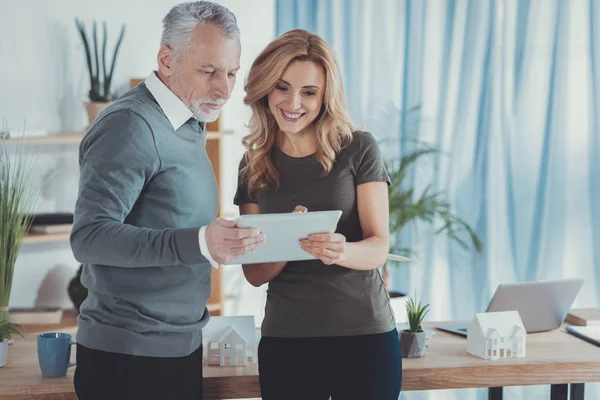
(204, 247)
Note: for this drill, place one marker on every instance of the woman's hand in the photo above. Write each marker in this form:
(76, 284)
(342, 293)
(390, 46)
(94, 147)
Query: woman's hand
(299, 209)
(327, 247)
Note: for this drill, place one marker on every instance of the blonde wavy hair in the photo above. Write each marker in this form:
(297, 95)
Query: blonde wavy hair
(333, 125)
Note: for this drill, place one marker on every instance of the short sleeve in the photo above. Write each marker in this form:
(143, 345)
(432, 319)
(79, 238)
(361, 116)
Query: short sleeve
(371, 167)
(242, 195)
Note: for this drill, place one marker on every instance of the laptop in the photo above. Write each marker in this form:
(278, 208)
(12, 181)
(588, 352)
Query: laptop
(542, 305)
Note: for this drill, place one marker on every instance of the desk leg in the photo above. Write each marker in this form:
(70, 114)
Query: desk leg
(559, 392)
(577, 391)
(495, 393)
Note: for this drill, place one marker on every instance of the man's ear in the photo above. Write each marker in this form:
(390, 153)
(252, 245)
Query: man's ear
(166, 61)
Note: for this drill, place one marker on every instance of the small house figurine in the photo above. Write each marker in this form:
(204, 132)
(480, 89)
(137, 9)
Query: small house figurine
(496, 335)
(230, 341)
(231, 349)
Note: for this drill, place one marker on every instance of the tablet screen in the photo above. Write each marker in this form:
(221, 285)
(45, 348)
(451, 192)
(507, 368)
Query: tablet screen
(283, 233)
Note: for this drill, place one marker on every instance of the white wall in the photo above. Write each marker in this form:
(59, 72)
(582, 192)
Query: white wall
(43, 84)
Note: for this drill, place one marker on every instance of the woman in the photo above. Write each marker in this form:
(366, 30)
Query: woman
(329, 327)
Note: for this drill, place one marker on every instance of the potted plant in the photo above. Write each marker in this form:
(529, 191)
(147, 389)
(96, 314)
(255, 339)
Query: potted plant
(408, 207)
(413, 340)
(7, 329)
(100, 94)
(17, 202)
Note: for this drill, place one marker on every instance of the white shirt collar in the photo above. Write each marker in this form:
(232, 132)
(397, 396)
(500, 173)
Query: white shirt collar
(175, 110)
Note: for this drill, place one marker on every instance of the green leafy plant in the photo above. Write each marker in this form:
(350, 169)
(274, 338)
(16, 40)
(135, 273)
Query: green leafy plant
(7, 329)
(408, 207)
(416, 312)
(17, 203)
(100, 77)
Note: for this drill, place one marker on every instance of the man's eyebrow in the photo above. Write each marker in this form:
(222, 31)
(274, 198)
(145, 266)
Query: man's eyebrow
(211, 66)
(305, 87)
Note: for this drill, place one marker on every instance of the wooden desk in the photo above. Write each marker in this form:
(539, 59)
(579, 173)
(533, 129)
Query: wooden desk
(21, 378)
(553, 358)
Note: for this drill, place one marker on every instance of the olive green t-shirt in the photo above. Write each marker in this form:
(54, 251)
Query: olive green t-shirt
(310, 298)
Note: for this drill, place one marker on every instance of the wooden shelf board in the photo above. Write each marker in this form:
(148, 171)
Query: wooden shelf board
(212, 307)
(35, 237)
(75, 138)
(56, 138)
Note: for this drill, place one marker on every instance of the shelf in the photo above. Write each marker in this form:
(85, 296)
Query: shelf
(57, 138)
(35, 237)
(75, 138)
(212, 307)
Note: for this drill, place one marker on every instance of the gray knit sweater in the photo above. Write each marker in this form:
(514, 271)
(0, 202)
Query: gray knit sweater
(145, 190)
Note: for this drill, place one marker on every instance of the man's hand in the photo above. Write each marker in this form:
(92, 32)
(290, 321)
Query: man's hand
(226, 241)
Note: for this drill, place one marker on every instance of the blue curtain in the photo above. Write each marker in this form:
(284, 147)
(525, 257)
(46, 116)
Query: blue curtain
(594, 131)
(509, 91)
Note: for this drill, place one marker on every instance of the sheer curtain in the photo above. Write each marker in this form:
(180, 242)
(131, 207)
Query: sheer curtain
(509, 91)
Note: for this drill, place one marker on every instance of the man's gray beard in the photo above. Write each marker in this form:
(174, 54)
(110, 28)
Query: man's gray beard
(202, 116)
(195, 106)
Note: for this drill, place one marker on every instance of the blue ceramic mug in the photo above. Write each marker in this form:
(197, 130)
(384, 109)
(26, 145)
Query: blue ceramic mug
(54, 353)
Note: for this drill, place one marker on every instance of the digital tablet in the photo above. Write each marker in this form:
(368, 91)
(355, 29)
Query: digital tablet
(283, 233)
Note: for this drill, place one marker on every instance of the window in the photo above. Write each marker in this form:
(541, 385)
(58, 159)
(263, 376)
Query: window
(239, 346)
(227, 346)
(214, 346)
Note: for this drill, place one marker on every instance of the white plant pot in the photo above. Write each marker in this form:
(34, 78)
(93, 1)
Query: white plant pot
(3, 352)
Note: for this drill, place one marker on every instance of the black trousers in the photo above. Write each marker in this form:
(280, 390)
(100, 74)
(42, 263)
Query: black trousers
(367, 367)
(100, 375)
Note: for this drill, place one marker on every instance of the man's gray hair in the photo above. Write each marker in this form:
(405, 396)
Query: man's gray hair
(180, 22)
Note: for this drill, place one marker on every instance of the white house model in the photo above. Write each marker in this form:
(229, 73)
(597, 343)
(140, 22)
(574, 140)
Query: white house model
(230, 341)
(496, 335)
(230, 349)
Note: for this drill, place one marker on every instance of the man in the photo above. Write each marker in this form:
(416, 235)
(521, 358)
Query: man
(145, 226)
